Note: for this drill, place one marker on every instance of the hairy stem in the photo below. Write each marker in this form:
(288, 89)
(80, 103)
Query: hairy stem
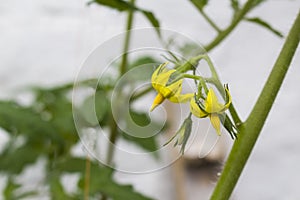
(250, 130)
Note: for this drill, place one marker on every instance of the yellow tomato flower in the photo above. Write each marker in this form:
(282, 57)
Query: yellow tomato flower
(159, 81)
(211, 108)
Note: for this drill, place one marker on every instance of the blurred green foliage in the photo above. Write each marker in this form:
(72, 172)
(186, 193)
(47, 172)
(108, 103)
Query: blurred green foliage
(45, 129)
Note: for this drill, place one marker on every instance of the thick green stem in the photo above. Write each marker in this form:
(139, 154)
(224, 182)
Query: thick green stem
(223, 34)
(249, 131)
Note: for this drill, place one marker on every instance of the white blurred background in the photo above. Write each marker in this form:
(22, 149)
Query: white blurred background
(44, 42)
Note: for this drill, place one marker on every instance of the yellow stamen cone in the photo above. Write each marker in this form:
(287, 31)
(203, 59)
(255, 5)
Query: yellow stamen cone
(158, 100)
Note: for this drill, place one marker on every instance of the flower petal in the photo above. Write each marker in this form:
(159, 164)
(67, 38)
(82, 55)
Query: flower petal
(196, 110)
(161, 68)
(228, 97)
(215, 121)
(175, 89)
(160, 81)
(212, 104)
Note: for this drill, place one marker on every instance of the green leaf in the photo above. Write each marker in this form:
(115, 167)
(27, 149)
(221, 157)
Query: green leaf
(17, 120)
(144, 68)
(26, 194)
(98, 105)
(121, 5)
(9, 189)
(229, 125)
(115, 191)
(257, 3)
(142, 119)
(101, 180)
(264, 24)
(200, 4)
(149, 144)
(15, 160)
(115, 4)
(143, 60)
(56, 189)
(66, 87)
(152, 19)
(56, 104)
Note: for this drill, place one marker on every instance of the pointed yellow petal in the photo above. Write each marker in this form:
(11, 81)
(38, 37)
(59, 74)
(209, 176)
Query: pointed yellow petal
(176, 87)
(158, 100)
(161, 80)
(160, 69)
(215, 121)
(212, 104)
(195, 109)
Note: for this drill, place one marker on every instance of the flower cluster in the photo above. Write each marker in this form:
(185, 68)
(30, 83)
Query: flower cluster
(204, 103)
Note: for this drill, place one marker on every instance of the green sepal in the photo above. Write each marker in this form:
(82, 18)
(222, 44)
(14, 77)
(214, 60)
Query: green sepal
(175, 76)
(228, 125)
(183, 133)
